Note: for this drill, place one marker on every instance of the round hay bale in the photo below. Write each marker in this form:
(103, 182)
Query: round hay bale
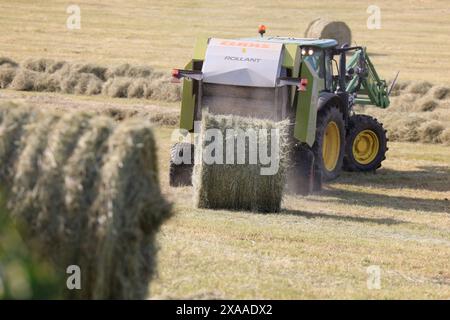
(86, 193)
(28, 168)
(46, 208)
(12, 130)
(325, 29)
(131, 209)
(242, 183)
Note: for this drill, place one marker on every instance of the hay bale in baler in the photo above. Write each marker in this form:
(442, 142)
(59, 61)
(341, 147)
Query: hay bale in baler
(325, 29)
(240, 186)
(85, 192)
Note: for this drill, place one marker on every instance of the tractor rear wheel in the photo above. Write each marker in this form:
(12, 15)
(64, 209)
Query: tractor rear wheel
(366, 144)
(330, 143)
(180, 172)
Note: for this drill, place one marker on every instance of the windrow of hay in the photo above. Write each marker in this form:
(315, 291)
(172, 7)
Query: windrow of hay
(84, 191)
(235, 186)
(419, 112)
(325, 29)
(426, 127)
(7, 75)
(124, 81)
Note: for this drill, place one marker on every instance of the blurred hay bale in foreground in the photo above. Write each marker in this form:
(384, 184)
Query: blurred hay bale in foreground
(84, 191)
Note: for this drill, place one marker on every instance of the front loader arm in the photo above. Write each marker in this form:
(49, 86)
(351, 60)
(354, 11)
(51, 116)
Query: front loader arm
(366, 83)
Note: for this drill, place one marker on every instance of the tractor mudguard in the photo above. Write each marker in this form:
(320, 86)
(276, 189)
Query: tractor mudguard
(326, 98)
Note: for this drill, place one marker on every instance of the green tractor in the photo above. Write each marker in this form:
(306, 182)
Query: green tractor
(312, 82)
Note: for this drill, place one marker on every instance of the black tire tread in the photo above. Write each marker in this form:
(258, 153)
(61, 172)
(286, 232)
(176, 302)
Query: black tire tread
(358, 123)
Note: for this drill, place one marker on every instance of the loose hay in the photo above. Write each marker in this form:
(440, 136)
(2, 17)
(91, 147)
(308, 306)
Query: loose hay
(117, 87)
(8, 62)
(426, 104)
(431, 131)
(124, 81)
(441, 92)
(239, 186)
(421, 87)
(445, 136)
(324, 29)
(7, 74)
(86, 193)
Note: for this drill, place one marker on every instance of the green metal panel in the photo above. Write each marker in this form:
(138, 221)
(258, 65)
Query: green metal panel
(306, 117)
(187, 103)
(290, 53)
(188, 97)
(200, 48)
(373, 90)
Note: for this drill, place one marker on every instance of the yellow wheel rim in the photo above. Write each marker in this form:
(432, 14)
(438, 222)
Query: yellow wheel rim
(331, 146)
(365, 147)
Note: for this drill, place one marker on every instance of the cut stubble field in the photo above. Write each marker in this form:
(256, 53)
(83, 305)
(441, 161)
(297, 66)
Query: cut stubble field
(319, 246)
(413, 36)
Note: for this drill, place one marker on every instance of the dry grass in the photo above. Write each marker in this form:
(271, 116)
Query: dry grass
(85, 191)
(321, 245)
(119, 109)
(419, 112)
(240, 186)
(153, 37)
(124, 81)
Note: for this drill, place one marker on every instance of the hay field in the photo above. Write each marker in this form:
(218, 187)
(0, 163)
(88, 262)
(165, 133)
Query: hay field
(413, 37)
(318, 246)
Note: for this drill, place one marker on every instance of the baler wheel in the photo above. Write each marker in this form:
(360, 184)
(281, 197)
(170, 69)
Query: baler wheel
(180, 173)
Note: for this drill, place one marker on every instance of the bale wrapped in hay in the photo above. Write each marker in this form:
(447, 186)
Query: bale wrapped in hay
(86, 193)
(239, 183)
(325, 29)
